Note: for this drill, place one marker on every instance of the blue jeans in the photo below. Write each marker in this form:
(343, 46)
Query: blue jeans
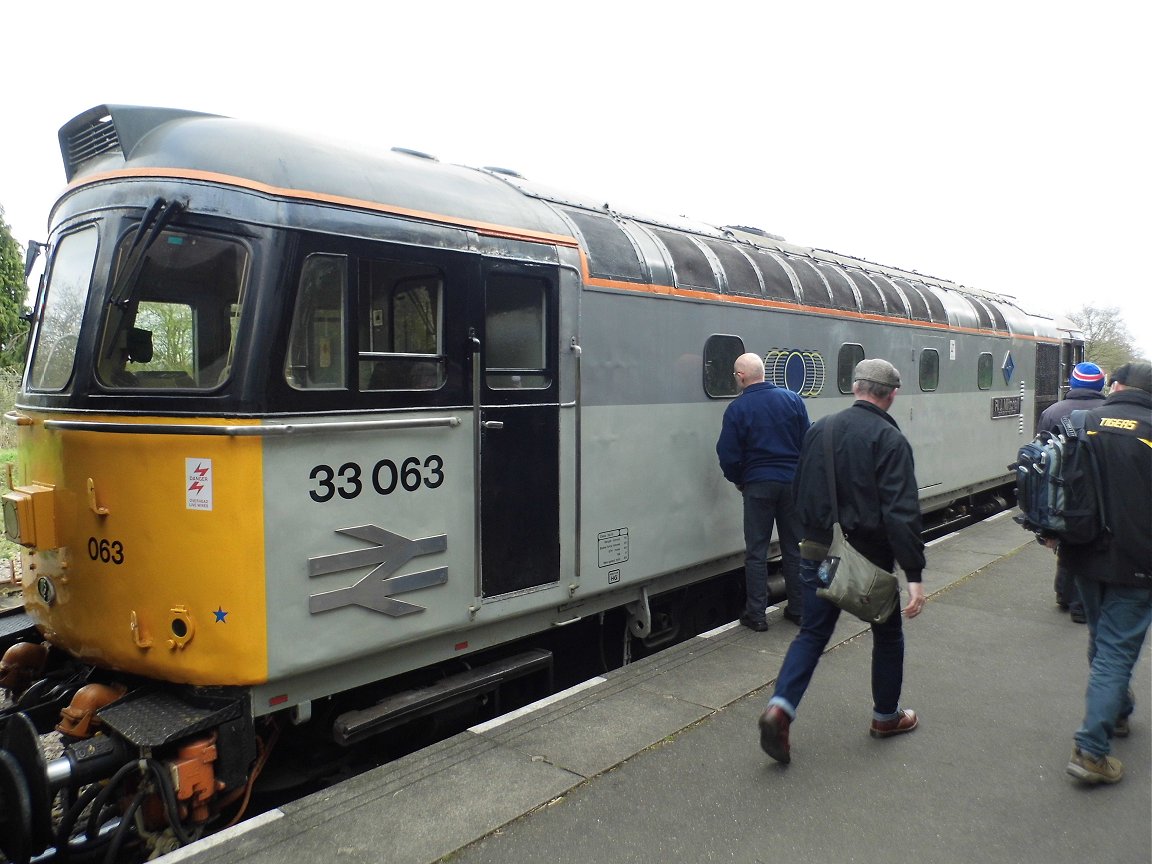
(765, 503)
(1118, 620)
(804, 653)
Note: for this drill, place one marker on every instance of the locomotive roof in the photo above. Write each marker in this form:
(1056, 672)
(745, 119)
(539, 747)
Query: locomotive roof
(111, 138)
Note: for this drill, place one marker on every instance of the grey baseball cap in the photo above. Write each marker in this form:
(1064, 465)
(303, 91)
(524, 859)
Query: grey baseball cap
(878, 371)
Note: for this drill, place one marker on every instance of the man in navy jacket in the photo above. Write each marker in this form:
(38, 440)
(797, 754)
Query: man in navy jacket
(759, 447)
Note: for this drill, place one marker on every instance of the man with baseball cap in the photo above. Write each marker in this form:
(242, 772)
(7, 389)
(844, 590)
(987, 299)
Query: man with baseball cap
(879, 508)
(1085, 390)
(1114, 572)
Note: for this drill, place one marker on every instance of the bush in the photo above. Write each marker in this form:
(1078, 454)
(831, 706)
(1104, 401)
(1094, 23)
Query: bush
(9, 387)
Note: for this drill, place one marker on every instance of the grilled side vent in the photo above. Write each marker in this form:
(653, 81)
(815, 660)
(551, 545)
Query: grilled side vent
(111, 129)
(95, 137)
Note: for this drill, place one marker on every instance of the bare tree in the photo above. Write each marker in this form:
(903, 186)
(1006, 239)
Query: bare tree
(1107, 342)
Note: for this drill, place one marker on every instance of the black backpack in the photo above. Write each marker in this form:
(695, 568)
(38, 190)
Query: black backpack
(1058, 488)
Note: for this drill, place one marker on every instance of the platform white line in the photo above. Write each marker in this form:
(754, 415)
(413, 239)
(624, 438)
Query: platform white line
(723, 628)
(221, 837)
(535, 706)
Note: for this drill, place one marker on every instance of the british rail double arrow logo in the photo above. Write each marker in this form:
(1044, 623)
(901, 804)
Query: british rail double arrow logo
(376, 591)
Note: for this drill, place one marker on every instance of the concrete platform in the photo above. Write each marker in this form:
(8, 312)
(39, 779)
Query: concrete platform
(660, 761)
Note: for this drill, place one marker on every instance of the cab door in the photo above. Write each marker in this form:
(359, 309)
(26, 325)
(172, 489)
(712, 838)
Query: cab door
(518, 438)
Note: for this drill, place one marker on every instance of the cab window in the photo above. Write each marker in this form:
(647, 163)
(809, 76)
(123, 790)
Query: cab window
(61, 310)
(172, 321)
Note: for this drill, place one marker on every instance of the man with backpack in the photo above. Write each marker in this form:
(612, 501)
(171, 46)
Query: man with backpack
(1085, 391)
(1114, 572)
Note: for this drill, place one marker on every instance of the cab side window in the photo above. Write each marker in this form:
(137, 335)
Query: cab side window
(401, 328)
(61, 310)
(315, 358)
(515, 326)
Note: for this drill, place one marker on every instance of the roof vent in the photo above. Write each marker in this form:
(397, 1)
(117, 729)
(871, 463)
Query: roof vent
(759, 232)
(111, 129)
(89, 135)
(417, 153)
(507, 172)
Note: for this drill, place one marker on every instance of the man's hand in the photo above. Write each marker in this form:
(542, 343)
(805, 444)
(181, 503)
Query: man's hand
(916, 599)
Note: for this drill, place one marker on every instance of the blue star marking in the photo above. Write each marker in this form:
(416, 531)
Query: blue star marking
(220, 616)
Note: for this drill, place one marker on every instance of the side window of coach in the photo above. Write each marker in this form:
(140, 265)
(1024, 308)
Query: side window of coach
(720, 352)
(850, 355)
(984, 372)
(929, 369)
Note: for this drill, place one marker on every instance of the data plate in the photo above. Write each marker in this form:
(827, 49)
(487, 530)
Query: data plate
(1005, 406)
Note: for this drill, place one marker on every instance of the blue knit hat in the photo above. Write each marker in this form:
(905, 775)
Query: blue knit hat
(1087, 375)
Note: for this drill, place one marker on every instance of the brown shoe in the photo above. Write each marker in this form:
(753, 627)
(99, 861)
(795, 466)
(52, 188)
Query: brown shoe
(905, 721)
(774, 725)
(1095, 769)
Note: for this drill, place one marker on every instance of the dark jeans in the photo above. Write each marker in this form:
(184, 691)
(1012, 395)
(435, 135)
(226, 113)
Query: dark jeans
(804, 653)
(1067, 593)
(765, 504)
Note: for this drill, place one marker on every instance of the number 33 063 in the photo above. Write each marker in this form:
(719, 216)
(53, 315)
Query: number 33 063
(385, 477)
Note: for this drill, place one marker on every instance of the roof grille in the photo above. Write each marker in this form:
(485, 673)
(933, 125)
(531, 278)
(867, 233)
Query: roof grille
(111, 129)
(95, 136)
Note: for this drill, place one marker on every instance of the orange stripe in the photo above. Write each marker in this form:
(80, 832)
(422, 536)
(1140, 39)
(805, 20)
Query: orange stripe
(487, 228)
(493, 230)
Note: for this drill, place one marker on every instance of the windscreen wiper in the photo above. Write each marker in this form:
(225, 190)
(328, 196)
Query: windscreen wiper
(159, 216)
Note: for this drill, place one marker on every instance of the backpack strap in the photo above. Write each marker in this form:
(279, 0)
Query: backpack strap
(1075, 426)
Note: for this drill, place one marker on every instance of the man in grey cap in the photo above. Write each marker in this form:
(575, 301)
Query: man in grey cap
(879, 509)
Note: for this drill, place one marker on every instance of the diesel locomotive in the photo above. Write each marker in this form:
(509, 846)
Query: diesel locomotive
(317, 438)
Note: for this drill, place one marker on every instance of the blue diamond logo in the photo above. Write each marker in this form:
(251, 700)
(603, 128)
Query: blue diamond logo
(1009, 367)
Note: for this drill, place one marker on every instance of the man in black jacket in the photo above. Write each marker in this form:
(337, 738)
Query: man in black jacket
(878, 507)
(1114, 573)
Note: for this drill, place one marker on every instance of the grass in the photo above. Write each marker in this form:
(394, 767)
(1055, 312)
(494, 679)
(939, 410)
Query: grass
(9, 385)
(8, 549)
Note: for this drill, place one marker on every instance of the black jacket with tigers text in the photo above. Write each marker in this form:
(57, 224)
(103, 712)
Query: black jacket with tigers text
(1121, 434)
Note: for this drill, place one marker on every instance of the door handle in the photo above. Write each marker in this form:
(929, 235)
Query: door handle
(493, 424)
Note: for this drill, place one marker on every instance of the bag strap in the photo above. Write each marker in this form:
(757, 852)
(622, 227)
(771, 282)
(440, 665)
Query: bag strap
(830, 468)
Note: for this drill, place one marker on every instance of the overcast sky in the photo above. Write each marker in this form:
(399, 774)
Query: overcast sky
(1003, 145)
